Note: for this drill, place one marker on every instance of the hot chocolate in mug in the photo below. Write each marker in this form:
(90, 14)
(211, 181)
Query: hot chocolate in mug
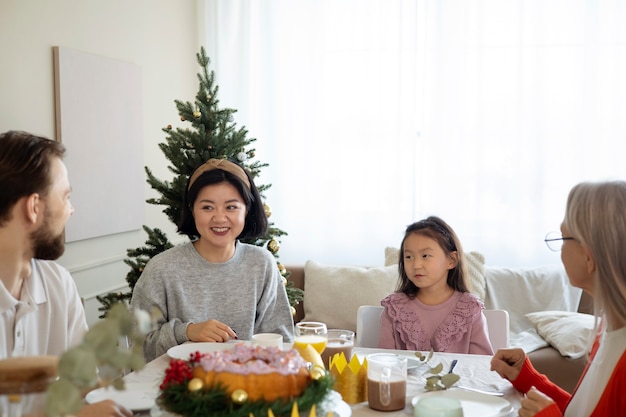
(386, 381)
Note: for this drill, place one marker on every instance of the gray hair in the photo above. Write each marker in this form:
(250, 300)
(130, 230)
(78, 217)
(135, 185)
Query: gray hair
(596, 216)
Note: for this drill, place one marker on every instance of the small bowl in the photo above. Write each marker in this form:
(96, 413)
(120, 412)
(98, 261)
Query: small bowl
(438, 407)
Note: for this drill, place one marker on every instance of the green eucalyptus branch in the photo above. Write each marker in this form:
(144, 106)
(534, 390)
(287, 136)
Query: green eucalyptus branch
(102, 351)
(437, 381)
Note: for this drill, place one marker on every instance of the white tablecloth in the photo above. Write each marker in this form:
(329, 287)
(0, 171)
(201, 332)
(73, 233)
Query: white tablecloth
(473, 370)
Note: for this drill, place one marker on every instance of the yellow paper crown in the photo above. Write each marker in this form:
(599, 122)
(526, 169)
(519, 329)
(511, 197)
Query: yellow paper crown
(295, 413)
(350, 377)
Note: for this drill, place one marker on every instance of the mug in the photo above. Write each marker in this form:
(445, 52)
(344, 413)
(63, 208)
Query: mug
(339, 341)
(267, 340)
(438, 406)
(386, 381)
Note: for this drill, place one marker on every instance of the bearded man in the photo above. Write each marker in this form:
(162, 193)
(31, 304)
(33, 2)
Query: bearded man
(40, 309)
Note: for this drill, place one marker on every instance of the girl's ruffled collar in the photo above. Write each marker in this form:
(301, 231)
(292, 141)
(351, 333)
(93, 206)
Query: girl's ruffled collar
(451, 330)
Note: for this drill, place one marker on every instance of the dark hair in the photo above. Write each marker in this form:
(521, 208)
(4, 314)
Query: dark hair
(25, 161)
(438, 230)
(256, 221)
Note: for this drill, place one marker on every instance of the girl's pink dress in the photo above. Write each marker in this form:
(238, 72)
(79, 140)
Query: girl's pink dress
(456, 325)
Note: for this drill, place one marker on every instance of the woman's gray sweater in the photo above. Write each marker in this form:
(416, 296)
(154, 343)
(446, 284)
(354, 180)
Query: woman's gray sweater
(246, 293)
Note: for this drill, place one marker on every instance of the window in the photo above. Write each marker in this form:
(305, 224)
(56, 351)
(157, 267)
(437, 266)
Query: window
(374, 114)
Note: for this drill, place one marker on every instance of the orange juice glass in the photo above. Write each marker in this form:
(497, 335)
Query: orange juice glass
(311, 333)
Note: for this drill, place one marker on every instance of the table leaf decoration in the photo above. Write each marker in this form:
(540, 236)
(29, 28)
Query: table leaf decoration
(436, 382)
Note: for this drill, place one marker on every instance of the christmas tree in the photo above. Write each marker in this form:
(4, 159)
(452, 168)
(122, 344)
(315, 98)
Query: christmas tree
(211, 134)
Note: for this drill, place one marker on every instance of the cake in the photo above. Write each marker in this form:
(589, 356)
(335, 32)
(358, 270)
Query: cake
(263, 373)
(242, 381)
(26, 374)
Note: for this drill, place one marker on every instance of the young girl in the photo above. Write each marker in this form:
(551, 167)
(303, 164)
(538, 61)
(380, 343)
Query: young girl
(432, 308)
(215, 288)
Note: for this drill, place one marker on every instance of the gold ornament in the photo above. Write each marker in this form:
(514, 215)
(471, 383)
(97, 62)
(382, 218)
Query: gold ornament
(284, 281)
(273, 246)
(182, 118)
(169, 127)
(197, 114)
(195, 384)
(268, 210)
(281, 268)
(317, 372)
(293, 311)
(239, 396)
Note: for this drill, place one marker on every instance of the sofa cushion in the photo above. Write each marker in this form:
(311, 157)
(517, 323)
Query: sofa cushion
(570, 333)
(475, 267)
(332, 294)
(528, 290)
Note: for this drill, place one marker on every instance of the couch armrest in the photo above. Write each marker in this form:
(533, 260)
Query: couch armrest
(586, 303)
(563, 371)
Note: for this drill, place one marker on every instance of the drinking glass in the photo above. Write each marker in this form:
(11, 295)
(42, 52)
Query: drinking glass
(339, 341)
(386, 381)
(311, 333)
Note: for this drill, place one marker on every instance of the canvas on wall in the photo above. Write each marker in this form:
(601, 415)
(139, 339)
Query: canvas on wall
(99, 120)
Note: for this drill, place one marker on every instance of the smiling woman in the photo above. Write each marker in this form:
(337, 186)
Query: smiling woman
(374, 114)
(192, 284)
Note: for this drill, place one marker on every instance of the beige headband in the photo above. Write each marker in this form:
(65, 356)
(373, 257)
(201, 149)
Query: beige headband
(222, 164)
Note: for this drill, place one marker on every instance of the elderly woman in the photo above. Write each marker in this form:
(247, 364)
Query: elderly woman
(593, 243)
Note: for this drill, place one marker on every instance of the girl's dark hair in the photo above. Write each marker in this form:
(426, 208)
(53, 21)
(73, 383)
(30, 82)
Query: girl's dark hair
(438, 230)
(256, 224)
(25, 161)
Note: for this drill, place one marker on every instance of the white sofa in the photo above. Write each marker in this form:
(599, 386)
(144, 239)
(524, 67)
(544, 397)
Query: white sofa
(548, 316)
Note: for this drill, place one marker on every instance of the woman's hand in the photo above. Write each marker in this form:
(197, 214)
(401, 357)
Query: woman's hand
(508, 363)
(210, 331)
(534, 402)
(106, 408)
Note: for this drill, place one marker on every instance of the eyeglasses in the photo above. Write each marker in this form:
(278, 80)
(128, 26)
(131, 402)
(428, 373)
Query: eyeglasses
(555, 240)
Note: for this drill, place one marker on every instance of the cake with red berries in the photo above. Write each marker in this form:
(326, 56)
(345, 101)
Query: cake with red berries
(242, 381)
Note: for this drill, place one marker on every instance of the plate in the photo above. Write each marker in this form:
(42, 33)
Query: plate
(136, 396)
(336, 404)
(342, 409)
(183, 351)
(474, 404)
(412, 364)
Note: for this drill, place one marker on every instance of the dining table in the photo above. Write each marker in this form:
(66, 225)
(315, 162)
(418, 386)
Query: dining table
(473, 370)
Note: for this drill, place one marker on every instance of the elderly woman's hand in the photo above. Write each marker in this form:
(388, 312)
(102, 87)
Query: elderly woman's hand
(508, 363)
(534, 402)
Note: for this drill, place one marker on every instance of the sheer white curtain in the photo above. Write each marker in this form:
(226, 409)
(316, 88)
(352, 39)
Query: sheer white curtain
(373, 114)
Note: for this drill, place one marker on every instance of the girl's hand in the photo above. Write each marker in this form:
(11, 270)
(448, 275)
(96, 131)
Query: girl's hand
(210, 331)
(534, 402)
(508, 363)
(106, 408)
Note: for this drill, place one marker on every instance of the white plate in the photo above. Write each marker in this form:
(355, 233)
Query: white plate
(336, 404)
(474, 404)
(413, 364)
(186, 349)
(342, 409)
(136, 396)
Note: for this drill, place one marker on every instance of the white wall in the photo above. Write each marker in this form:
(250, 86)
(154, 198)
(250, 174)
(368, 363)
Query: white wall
(161, 36)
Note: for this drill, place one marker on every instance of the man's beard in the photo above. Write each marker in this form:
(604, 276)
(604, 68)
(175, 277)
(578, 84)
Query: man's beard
(46, 244)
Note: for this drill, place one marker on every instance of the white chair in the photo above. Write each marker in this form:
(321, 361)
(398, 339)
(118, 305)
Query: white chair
(498, 326)
(368, 326)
